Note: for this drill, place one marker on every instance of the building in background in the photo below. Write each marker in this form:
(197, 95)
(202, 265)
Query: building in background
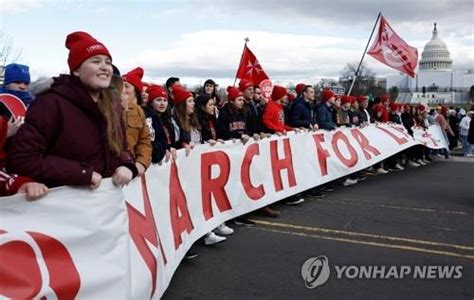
(436, 81)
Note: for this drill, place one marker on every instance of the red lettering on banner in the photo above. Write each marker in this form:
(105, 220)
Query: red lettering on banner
(323, 154)
(142, 228)
(253, 192)
(64, 278)
(216, 185)
(19, 270)
(179, 213)
(399, 140)
(364, 144)
(348, 162)
(21, 275)
(429, 136)
(284, 163)
(401, 130)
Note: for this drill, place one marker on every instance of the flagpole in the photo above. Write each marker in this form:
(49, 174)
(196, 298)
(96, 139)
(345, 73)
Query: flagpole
(363, 55)
(243, 51)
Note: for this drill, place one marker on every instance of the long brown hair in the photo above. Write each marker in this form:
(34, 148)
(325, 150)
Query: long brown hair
(185, 122)
(108, 109)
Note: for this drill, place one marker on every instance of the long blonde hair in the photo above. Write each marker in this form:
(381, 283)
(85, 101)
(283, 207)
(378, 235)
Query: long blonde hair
(107, 107)
(187, 122)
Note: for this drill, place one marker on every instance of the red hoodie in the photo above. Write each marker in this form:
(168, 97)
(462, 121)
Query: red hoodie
(274, 117)
(385, 117)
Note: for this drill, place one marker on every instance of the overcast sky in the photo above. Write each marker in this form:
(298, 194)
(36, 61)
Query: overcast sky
(195, 40)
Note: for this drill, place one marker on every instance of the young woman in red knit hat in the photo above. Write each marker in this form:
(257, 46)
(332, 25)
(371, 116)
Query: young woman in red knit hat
(233, 122)
(186, 118)
(190, 135)
(73, 133)
(138, 134)
(163, 132)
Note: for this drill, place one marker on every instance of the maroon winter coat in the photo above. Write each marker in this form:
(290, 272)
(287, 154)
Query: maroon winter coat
(64, 138)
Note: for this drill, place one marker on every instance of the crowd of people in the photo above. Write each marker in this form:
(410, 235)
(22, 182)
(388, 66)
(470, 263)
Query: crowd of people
(95, 123)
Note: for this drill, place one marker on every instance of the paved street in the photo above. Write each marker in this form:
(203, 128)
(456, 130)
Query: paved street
(416, 217)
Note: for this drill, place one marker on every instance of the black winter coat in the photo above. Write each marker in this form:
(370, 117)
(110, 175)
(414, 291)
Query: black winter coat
(232, 123)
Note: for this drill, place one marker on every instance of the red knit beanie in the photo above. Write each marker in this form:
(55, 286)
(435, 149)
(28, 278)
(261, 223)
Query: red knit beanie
(345, 99)
(233, 93)
(378, 108)
(81, 46)
(385, 98)
(134, 77)
(155, 91)
(245, 84)
(180, 94)
(421, 107)
(278, 92)
(361, 98)
(326, 95)
(299, 88)
(394, 106)
(353, 99)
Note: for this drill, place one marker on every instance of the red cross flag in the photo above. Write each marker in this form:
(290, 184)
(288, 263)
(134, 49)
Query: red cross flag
(393, 51)
(250, 69)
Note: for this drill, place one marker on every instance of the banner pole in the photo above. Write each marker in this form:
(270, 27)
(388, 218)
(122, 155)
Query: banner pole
(363, 55)
(241, 57)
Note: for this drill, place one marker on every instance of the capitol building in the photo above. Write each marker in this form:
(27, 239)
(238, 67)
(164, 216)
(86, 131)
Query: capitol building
(435, 81)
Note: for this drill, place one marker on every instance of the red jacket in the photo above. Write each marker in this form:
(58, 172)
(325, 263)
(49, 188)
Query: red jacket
(63, 139)
(274, 117)
(385, 117)
(9, 184)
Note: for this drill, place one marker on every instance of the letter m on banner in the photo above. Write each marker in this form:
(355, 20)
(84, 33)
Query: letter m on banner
(391, 50)
(143, 232)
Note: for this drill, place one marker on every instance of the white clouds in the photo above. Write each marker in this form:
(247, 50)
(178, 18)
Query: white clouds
(294, 40)
(166, 12)
(348, 12)
(216, 53)
(293, 57)
(14, 6)
(285, 57)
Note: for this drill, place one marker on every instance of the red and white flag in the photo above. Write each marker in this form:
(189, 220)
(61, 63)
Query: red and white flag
(250, 69)
(393, 51)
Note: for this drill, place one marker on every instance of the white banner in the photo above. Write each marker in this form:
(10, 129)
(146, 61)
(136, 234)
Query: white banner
(121, 244)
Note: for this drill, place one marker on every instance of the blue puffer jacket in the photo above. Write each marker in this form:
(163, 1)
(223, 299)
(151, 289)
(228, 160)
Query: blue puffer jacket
(324, 117)
(300, 113)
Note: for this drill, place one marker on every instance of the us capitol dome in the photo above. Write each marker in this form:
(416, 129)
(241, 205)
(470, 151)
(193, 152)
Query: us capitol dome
(435, 80)
(435, 55)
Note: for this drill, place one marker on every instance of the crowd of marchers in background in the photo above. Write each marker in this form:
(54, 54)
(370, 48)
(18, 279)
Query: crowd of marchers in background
(95, 123)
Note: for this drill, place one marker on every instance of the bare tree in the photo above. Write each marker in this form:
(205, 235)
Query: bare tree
(365, 81)
(8, 53)
(326, 83)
